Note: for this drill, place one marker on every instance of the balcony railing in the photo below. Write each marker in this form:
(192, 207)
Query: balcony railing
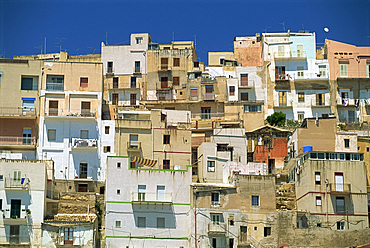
(214, 116)
(216, 228)
(151, 197)
(290, 54)
(209, 96)
(282, 77)
(123, 86)
(316, 103)
(84, 143)
(54, 87)
(134, 146)
(17, 111)
(346, 101)
(71, 113)
(7, 240)
(17, 141)
(137, 69)
(340, 188)
(16, 183)
(249, 84)
(208, 80)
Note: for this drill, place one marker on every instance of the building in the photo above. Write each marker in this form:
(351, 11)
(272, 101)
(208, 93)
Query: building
(25, 193)
(331, 188)
(248, 50)
(19, 107)
(150, 208)
(70, 127)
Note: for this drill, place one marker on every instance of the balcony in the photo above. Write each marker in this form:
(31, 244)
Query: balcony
(209, 97)
(137, 70)
(344, 102)
(215, 228)
(215, 116)
(70, 113)
(283, 104)
(319, 104)
(290, 55)
(124, 86)
(84, 143)
(339, 188)
(54, 87)
(16, 240)
(247, 85)
(133, 146)
(21, 142)
(123, 122)
(209, 80)
(16, 183)
(17, 111)
(139, 197)
(164, 67)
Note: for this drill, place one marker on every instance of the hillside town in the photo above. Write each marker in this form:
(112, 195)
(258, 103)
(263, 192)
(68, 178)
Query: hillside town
(143, 145)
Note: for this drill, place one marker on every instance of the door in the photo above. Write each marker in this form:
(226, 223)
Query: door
(271, 165)
(83, 170)
(85, 109)
(14, 234)
(132, 99)
(115, 82)
(338, 181)
(141, 192)
(164, 82)
(15, 209)
(160, 193)
(27, 136)
(82, 187)
(243, 234)
(68, 236)
(209, 92)
(115, 99)
(53, 108)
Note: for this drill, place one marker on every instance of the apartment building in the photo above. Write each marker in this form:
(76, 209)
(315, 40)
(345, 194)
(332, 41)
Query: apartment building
(19, 107)
(331, 187)
(238, 213)
(248, 50)
(25, 194)
(150, 208)
(70, 127)
(125, 71)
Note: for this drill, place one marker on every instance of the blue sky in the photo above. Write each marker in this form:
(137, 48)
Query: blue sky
(81, 25)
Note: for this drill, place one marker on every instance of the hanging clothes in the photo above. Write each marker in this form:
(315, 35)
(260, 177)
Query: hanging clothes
(345, 101)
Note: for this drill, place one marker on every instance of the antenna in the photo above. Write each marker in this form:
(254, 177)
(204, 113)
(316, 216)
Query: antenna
(59, 44)
(106, 38)
(173, 36)
(93, 48)
(267, 28)
(283, 23)
(195, 40)
(45, 46)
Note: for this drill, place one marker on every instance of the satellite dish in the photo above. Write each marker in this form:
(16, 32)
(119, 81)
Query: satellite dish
(326, 29)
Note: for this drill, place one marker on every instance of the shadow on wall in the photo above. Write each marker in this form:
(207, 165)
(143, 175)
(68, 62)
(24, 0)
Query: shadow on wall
(154, 216)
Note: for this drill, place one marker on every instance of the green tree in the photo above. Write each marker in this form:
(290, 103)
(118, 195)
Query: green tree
(276, 119)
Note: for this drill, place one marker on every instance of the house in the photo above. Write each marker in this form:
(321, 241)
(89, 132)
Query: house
(150, 208)
(26, 196)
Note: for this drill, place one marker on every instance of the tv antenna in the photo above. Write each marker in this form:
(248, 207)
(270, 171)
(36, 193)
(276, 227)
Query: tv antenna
(283, 23)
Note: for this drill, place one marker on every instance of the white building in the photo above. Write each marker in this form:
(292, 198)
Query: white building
(23, 202)
(147, 207)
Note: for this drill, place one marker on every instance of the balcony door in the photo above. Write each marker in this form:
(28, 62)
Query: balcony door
(53, 108)
(68, 236)
(27, 136)
(83, 170)
(164, 82)
(132, 99)
(160, 193)
(338, 178)
(85, 109)
(14, 234)
(114, 98)
(15, 209)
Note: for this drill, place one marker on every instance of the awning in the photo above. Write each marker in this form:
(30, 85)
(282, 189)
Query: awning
(144, 161)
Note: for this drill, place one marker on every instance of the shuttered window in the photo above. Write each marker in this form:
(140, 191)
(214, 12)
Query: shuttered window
(84, 82)
(243, 79)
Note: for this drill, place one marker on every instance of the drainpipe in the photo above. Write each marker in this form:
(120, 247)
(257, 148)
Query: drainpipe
(195, 217)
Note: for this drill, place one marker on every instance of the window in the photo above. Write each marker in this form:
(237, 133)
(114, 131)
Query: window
(29, 83)
(139, 40)
(166, 164)
(161, 222)
(216, 218)
(243, 79)
(176, 62)
(83, 170)
(115, 82)
(132, 165)
(160, 192)
(118, 224)
(300, 52)
(255, 200)
(232, 90)
(322, 70)
(244, 96)
(52, 133)
(367, 149)
(252, 108)
(300, 96)
(137, 66)
(110, 67)
(317, 178)
(141, 222)
(55, 82)
(1, 73)
(318, 200)
(118, 165)
(17, 175)
(176, 80)
(166, 139)
(134, 141)
(300, 116)
(266, 231)
(340, 225)
(84, 134)
(282, 98)
(320, 99)
(196, 64)
(340, 205)
(255, 228)
(1, 204)
(141, 192)
(27, 134)
(68, 236)
(211, 166)
(194, 91)
(346, 143)
(107, 129)
(205, 113)
(164, 82)
(300, 73)
(84, 82)
(222, 60)
(115, 98)
(215, 198)
(164, 63)
(343, 70)
(106, 148)
(85, 109)
(133, 82)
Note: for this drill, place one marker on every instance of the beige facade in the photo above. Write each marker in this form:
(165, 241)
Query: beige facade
(364, 147)
(163, 136)
(332, 187)
(219, 58)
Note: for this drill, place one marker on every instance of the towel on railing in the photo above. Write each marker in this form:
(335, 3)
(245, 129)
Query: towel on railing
(22, 180)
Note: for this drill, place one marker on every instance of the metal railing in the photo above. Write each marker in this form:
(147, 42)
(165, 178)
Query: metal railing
(151, 197)
(67, 112)
(209, 96)
(322, 103)
(290, 54)
(129, 85)
(217, 227)
(17, 111)
(346, 101)
(250, 84)
(137, 69)
(214, 116)
(26, 141)
(133, 145)
(15, 239)
(86, 143)
(340, 188)
(16, 183)
(54, 87)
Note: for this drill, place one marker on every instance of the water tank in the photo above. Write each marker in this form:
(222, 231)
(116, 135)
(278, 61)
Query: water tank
(307, 149)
